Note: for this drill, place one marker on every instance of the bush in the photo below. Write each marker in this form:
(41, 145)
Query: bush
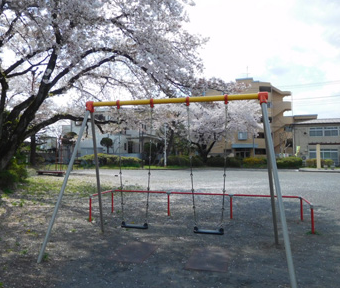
(183, 161)
(289, 162)
(254, 162)
(110, 160)
(197, 161)
(312, 162)
(328, 162)
(218, 161)
(15, 173)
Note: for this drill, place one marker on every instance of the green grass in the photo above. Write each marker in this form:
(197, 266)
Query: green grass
(46, 257)
(315, 233)
(39, 187)
(24, 252)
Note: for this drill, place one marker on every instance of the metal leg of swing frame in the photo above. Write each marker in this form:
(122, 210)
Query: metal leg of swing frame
(134, 226)
(204, 231)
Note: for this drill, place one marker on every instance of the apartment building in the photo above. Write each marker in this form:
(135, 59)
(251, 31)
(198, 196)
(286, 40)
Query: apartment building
(308, 133)
(244, 144)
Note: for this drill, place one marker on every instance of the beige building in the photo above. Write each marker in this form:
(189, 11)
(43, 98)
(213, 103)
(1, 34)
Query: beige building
(310, 132)
(244, 144)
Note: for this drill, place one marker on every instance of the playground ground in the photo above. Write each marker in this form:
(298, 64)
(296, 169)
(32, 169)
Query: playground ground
(79, 255)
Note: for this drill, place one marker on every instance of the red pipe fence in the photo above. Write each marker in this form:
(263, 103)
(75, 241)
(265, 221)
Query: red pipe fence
(302, 199)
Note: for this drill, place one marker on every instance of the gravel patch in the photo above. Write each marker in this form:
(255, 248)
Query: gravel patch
(79, 255)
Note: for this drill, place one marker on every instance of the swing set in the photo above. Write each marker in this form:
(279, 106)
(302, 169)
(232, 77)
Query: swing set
(272, 168)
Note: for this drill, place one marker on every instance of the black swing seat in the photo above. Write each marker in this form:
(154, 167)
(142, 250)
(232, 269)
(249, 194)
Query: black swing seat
(134, 226)
(213, 232)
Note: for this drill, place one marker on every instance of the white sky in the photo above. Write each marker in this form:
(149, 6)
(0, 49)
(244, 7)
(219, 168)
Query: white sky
(293, 44)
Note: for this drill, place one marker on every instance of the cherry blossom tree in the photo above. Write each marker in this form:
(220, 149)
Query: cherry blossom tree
(70, 51)
(208, 123)
(206, 120)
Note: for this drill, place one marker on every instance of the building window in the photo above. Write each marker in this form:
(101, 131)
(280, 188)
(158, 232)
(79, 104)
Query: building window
(326, 154)
(315, 131)
(331, 131)
(242, 135)
(260, 135)
(260, 152)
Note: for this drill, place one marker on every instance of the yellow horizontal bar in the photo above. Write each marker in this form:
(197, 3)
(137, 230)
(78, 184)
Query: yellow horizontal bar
(252, 96)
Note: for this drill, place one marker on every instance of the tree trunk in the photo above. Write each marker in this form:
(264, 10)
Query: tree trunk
(170, 141)
(204, 150)
(6, 156)
(33, 151)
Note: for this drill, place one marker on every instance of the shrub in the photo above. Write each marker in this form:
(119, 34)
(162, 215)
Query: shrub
(178, 161)
(289, 162)
(15, 173)
(183, 161)
(197, 161)
(328, 162)
(254, 162)
(312, 162)
(110, 160)
(218, 161)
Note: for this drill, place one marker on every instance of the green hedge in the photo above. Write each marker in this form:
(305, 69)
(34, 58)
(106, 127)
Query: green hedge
(110, 160)
(254, 162)
(312, 162)
(289, 162)
(183, 161)
(218, 161)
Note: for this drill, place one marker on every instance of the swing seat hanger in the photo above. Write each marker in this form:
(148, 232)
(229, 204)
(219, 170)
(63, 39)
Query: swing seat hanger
(219, 231)
(134, 226)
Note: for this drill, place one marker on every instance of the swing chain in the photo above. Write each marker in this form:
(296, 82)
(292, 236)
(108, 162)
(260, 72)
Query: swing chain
(191, 170)
(120, 166)
(149, 172)
(225, 161)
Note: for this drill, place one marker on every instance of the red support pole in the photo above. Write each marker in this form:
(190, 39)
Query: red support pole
(169, 204)
(90, 210)
(231, 206)
(301, 208)
(111, 202)
(312, 218)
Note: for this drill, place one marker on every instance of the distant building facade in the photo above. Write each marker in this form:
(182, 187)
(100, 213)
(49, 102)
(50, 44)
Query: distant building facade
(247, 145)
(308, 133)
(132, 141)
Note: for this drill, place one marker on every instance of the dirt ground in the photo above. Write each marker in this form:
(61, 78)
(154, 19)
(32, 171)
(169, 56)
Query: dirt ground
(79, 255)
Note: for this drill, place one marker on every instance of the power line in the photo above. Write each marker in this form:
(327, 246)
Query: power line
(307, 85)
(313, 103)
(315, 98)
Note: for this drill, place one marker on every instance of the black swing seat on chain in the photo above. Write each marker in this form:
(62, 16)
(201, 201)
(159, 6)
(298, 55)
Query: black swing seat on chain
(213, 232)
(133, 226)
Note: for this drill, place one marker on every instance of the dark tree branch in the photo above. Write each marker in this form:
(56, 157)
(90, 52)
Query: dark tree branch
(79, 75)
(19, 108)
(27, 70)
(22, 60)
(8, 34)
(35, 129)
